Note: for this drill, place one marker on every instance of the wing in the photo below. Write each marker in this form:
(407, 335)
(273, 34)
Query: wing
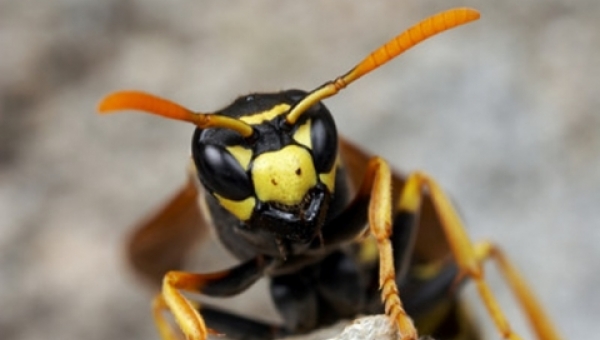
(431, 244)
(163, 241)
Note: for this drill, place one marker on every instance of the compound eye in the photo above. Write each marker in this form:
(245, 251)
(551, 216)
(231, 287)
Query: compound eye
(220, 172)
(324, 140)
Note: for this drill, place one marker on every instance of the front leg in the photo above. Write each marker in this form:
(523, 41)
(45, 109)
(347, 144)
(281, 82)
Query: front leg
(224, 283)
(378, 184)
(373, 204)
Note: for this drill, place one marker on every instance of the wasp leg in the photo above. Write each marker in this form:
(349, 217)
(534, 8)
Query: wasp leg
(461, 246)
(234, 326)
(535, 313)
(377, 184)
(224, 283)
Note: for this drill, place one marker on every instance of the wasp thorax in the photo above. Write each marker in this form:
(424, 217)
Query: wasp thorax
(284, 176)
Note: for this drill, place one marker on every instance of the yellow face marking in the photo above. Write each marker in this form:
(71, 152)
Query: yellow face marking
(329, 178)
(302, 135)
(284, 176)
(242, 155)
(260, 117)
(241, 209)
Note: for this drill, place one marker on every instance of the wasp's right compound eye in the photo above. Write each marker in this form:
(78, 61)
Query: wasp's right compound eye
(220, 172)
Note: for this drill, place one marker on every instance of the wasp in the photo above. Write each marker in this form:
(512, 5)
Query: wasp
(336, 231)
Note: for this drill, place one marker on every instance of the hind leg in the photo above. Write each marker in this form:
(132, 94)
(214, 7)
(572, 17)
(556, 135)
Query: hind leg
(538, 318)
(469, 257)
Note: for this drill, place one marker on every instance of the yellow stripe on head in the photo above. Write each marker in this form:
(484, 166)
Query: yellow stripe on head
(267, 115)
(302, 134)
(241, 155)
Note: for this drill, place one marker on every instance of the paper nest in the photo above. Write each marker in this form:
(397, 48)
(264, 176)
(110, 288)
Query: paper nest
(364, 328)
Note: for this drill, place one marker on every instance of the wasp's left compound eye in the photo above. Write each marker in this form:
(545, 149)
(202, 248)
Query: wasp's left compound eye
(324, 138)
(220, 172)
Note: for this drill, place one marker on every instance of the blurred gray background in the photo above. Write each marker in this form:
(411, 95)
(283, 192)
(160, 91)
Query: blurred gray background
(503, 112)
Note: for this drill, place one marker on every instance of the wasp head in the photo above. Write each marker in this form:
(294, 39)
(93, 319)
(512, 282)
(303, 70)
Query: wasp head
(280, 179)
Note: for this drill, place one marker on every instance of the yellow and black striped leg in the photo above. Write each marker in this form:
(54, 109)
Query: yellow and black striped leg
(467, 256)
(539, 320)
(377, 184)
(185, 312)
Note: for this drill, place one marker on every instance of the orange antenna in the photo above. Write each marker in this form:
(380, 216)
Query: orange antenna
(429, 27)
(134, 100)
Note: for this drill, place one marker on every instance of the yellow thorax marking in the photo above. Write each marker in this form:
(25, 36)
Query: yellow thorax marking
(284, 176)
(368, 251)
(262, 116)
(241, 209)
(427, 271)
(241, 154)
